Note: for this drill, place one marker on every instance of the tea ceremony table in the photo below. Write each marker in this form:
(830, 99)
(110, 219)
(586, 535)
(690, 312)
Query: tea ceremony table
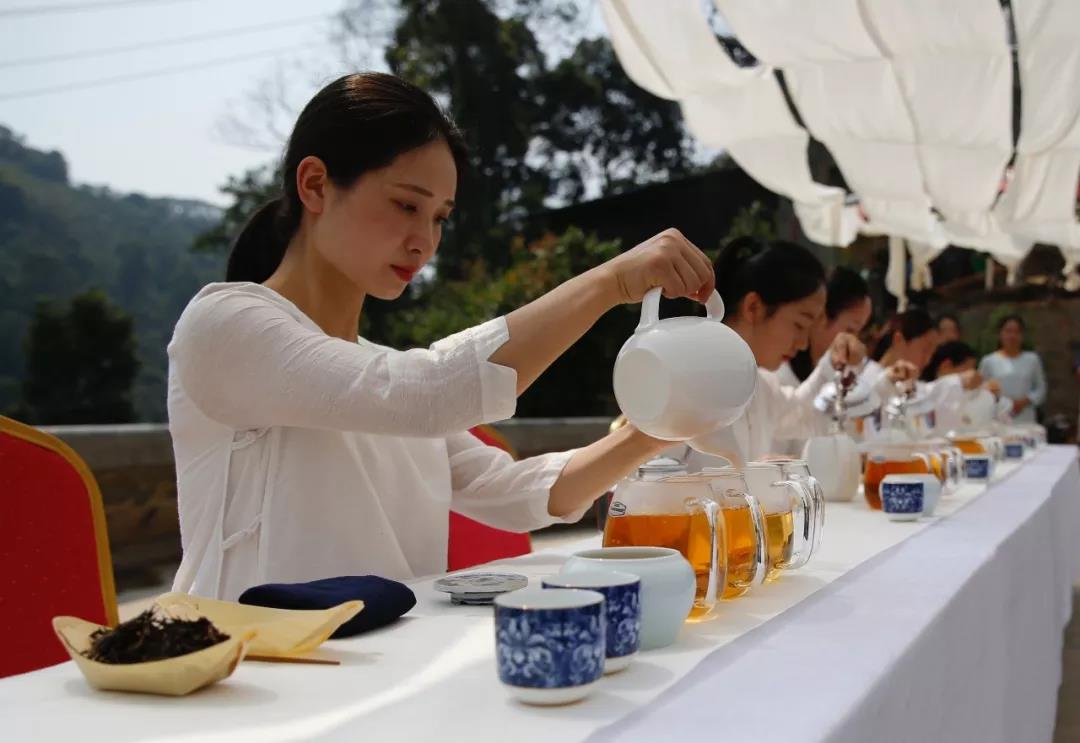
(943, 629)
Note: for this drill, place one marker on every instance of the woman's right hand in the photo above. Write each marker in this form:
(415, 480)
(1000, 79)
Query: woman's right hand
(903, 371)
(667, 260)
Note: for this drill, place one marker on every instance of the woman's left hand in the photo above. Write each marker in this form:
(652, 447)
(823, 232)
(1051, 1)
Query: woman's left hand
(1019, 405)
(846, 350)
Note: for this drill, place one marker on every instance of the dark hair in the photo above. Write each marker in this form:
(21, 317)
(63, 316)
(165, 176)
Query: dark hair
(1005, 321)
(357, 123)
(947, 316)
(780, 272)
(955, 352)
(846, 288)
(912, 324)
(1011, 318)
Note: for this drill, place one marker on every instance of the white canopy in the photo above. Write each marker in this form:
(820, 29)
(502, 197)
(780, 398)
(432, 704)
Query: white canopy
(913, 99)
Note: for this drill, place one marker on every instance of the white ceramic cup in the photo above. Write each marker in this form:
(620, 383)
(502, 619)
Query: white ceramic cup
(667, 586)
(834, 460)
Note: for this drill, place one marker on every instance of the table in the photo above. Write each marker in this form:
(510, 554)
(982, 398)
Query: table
(941, 630)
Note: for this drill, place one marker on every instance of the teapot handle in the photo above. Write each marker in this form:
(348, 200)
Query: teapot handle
(650, 308)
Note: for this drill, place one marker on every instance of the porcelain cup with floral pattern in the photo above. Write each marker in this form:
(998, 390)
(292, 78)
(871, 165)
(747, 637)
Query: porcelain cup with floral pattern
(622, 613)
(550, 643)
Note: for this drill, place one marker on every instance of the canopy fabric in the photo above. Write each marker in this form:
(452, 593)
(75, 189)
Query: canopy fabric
(669, 50)
(914, 101)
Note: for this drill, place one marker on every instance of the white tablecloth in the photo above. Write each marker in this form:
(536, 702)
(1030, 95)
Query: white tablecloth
(947, 630)
(955, 635)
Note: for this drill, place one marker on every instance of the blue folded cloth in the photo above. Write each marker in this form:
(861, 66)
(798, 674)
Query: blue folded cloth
(384, 600)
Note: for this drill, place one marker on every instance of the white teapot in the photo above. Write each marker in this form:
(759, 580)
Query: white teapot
(979, 407)
(834, 460)
(682, 377)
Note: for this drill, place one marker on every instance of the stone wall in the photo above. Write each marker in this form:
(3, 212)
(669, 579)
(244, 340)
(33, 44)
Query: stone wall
(133, 465)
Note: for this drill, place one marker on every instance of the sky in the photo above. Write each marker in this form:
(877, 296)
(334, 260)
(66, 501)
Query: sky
(180, 134)
(167, 135)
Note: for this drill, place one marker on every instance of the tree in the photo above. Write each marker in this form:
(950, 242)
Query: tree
(543, 128)
(80, 363)
(485, 69)
(600, 129)
(248, 191)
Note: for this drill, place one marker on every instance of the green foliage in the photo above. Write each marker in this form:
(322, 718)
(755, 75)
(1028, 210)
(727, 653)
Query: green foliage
(752, 221)
(59, 240)
(248, 192)
(80, 363)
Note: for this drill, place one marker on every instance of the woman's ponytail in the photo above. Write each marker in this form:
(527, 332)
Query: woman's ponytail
(259, 248)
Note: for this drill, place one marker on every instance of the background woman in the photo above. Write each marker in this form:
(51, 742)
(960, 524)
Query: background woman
(1019, 372)
(774, 294)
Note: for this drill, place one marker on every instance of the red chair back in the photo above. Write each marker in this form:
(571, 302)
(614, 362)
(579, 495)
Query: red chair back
(54, 549)
(473, 543)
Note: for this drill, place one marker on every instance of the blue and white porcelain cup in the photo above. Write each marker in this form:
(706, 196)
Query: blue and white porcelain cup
(978, 467)
(622, 610)
(904, 498)
(549, 643)
(1014, 448)
(668, 585)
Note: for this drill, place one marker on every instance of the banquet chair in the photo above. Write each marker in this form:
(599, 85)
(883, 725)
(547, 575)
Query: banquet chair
(54, 549)
(472, 543)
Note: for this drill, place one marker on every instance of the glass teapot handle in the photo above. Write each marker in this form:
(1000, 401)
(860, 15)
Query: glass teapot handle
(803, 533)
(761, 546)
(817, 495)
(650, 308)
(717, 578)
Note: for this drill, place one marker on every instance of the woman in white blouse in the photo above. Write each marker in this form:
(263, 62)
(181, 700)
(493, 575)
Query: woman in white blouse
(1019, 372)
(901, 355)
(774, 294)
(305, 452)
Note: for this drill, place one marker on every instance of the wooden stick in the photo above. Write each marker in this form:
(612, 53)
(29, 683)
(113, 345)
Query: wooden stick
(286, 659)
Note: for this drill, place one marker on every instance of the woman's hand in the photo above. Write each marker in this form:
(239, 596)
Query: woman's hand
(902, 371)
(668, 261)
(846, 350)
(1019, 405)
(542, 330)
(993, 386)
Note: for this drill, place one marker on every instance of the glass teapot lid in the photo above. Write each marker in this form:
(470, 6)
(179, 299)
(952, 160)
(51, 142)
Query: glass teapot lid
(659, 468)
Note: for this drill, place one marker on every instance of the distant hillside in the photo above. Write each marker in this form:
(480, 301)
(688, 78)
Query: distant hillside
(58, 239)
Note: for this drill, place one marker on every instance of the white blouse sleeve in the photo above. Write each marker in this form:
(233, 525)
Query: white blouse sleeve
(490, 487)
(792, 408)
(246, 362)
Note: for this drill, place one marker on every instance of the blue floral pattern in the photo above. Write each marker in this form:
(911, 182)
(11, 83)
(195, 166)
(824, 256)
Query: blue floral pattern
(1014, 451)
(622, 615)
(623, 610)
(549, 648)
(902, 497)
(977, 468)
